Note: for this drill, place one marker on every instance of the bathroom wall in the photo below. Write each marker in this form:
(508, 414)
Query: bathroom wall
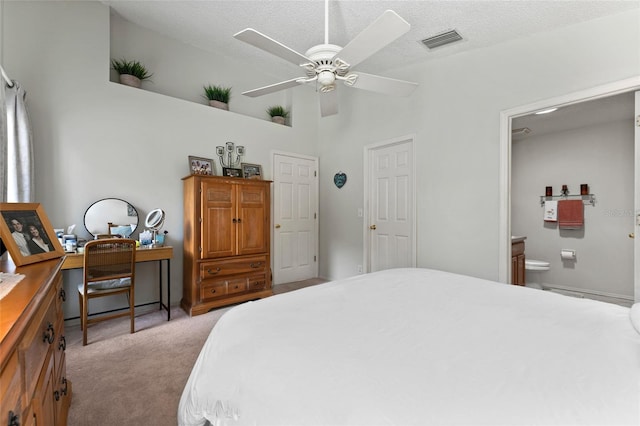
(603, 157)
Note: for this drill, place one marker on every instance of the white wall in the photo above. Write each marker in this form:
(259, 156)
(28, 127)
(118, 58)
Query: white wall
(86, 126)
(602, 156)
(455, 115)
(95, 139)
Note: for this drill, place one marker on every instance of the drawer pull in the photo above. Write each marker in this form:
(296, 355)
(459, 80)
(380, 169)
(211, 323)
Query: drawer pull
(212, 272)
(62, 295)
(235, 220)
(14, 420)
(62, 344)
(65, 389)
(255, 264)
(49, 335)
(56, 395)
(213, 291)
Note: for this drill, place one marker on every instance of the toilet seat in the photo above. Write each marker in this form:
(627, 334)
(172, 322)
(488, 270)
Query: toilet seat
(536, 265)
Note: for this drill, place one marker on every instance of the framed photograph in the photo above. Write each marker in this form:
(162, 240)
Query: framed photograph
(228, 171)
(201, 166)
(251, 171)
(27, 233)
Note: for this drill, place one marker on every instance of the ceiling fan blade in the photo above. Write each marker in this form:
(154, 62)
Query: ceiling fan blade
(268, 44)
(273, 87)
(328, 103)
(386, 85)
(387, 28)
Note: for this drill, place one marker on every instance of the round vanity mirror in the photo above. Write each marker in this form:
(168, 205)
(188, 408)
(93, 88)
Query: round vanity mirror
(155, 219)
(111, 216)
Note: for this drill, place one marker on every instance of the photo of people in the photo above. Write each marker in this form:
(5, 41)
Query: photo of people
(201, 166)
(27, 231)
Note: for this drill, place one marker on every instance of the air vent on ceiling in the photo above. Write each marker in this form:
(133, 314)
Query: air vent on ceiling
(441, 39)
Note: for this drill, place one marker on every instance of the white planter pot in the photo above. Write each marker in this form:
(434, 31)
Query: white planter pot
(218, 104)
(130, 80)
(278, 119)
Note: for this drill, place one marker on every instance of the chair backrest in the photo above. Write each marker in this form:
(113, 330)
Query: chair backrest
(109, 258)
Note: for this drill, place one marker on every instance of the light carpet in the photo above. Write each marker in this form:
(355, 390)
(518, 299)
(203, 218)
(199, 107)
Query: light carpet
(137, 379)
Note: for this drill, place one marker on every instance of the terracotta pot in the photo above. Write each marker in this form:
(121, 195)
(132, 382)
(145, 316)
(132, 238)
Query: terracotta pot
(130, 80)
(218, 104)
(278, 119)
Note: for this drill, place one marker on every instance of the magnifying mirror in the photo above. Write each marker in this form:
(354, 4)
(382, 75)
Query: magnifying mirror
(154, 221)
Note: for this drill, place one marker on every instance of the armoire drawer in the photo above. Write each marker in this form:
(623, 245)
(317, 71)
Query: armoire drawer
(247, 265)
(10, 388)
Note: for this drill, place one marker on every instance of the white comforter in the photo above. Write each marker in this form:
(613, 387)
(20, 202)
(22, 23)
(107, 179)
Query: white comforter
(417, 347)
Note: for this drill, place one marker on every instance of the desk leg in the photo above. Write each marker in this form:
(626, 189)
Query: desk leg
(168, 305)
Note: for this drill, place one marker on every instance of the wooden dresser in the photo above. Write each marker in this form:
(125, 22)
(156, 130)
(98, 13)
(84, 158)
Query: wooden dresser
(226, 242)
(34, 389)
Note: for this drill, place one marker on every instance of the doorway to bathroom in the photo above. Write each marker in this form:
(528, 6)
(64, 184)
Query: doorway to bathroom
(589, 140)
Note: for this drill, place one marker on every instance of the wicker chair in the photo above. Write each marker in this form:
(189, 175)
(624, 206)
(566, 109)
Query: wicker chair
(109, 269)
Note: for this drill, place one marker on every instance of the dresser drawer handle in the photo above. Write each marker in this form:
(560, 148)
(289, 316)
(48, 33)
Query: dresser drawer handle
(65, 389)
(212, 272)
(49, 334)
(62, 295)
(255, 264)
(56, 395)
(62, 344)
(14, 420)
(213, 291)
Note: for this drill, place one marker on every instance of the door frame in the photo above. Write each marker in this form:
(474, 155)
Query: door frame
(506, 116)
(317, 202)
(411, 138)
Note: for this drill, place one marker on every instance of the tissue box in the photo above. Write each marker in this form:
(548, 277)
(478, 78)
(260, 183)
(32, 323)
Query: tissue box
(146, 238)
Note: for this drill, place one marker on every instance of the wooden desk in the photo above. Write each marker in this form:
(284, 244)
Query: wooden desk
(76, 261)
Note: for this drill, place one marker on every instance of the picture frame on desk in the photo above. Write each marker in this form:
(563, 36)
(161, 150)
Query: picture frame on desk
(27, 233)
(231, 172)
(251, 171)
(201, 166)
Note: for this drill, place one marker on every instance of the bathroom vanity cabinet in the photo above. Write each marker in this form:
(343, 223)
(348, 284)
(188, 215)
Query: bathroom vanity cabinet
(517, 261)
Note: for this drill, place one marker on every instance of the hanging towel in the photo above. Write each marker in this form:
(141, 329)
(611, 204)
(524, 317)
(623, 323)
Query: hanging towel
(570, 214)
(550, 211)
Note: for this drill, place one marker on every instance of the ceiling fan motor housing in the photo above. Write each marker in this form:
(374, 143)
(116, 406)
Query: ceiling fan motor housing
(323, 64)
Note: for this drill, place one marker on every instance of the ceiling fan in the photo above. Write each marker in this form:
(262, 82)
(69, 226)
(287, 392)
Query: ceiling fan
(326, 64)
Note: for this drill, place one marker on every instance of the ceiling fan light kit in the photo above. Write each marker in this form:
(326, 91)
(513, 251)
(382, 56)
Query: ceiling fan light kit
(326, 64)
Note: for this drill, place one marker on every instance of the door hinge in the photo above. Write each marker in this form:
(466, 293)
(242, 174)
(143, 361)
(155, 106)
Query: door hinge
(200, 219)
(315, 216)
(314, 257)
(638, 121)
(315, 173)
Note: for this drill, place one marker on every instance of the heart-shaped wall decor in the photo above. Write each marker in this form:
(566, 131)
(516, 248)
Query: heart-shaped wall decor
(340, 179)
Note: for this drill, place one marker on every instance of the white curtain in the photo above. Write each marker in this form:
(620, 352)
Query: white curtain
(16, 148)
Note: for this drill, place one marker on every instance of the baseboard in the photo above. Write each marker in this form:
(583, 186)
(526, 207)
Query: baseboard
(602, 296)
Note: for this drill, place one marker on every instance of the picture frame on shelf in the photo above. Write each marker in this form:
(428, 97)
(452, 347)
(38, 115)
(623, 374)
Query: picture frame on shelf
(201, 166)
(27, 233)
(231, 172)
(251, 171)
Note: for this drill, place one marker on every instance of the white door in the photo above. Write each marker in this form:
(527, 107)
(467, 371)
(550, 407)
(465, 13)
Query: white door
(295, 207)
(636, 242)
(390, 218)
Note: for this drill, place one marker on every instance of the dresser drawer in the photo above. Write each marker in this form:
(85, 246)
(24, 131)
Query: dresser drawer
(246, 265)
(40, 336)
(257, 283)
(10, 388)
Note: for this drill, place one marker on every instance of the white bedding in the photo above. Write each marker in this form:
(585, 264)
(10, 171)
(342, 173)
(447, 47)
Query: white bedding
(417, 347)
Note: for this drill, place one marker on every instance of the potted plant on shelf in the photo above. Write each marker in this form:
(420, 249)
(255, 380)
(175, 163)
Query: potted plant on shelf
(278, 113)
(218, 96)
(132, 73)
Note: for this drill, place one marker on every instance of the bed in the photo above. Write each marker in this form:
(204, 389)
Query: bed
(418, 347)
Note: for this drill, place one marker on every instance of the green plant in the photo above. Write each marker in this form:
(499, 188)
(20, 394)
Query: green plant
(217, 93)
(133, 68)
(277, 110)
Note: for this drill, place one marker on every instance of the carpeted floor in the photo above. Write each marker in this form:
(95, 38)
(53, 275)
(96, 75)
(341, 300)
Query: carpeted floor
(137, 379)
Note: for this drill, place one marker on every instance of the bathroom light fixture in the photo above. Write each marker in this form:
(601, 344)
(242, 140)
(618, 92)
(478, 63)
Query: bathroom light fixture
(546, 111)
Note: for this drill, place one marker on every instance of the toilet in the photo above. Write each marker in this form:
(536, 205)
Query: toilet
(534, 270)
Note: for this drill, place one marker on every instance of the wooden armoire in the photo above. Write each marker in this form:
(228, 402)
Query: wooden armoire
(226, 242)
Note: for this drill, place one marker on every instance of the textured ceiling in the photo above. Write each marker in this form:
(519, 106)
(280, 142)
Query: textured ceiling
(210, 25)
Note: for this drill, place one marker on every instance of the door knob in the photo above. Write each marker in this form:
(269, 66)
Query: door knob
(373, 227)
(277, 226)
(632, 235)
